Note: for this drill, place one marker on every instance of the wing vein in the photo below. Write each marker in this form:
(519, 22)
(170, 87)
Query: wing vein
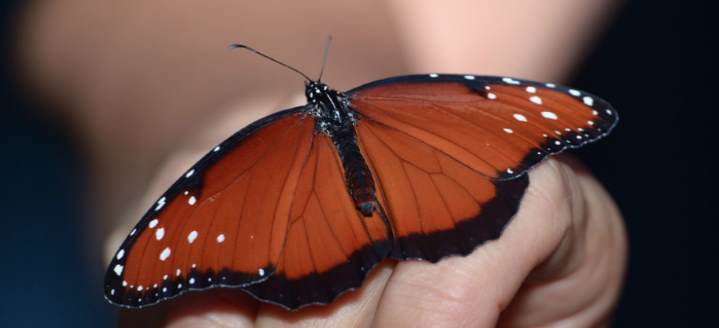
(433, 147)
(489, 115)
(404, 171)
(309, 247)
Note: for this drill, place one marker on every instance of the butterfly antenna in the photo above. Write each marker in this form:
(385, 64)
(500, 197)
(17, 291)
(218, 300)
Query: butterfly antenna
(324, 56)
(242, 46)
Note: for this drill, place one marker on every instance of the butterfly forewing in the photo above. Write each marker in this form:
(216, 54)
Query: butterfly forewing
(227, 229)
(500, 126)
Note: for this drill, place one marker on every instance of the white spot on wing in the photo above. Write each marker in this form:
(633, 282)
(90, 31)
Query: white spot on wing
(190, 173)
(510, 80)
(159, 233)
(220, 238)
(531, 89)
(133, 231)
(153, 223)
(178, 272)
(165, 254)
(160, 203)
(575, 93)
(192, 236)
(550, 85)
(118, 269)
(536, 100)
(508, 130)
(491, 96)
(550, 115)
(510, 171)
(520, 117)
(191, 281)
(192, 200)
(469, 77)
(216, 149)
(589, 101)
(261, 272)
(120, 254)
(434, 75)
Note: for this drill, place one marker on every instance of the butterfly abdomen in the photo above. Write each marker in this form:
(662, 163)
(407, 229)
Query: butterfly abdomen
(359, 180)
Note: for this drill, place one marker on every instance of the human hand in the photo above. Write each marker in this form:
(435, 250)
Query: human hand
(560, 262)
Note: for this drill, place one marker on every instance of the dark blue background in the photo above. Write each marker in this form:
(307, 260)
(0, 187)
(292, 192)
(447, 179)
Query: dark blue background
(655, 64)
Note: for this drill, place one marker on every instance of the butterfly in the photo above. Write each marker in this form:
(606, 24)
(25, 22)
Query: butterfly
(297, 207)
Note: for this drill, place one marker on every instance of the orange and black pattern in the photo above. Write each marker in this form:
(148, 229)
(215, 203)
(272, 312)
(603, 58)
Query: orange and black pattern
(298, 207)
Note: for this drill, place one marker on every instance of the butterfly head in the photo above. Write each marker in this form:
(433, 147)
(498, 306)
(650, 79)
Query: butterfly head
(315, 90)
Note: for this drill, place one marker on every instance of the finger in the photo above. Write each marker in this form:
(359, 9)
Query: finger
(353, 309)
(474, 290)
(233, 308)
(578, 286)
(213, 308)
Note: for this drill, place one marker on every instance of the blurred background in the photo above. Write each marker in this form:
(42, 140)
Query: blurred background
(98, 98)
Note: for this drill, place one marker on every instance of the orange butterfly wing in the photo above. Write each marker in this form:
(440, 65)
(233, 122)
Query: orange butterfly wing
(271, 208)
(225, 220)
(330, 245)
(450, 155)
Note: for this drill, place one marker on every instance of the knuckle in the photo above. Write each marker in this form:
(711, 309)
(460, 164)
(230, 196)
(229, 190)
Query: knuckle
(555, 187)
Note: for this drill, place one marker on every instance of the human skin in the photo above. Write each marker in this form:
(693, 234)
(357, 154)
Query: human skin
(147, 87)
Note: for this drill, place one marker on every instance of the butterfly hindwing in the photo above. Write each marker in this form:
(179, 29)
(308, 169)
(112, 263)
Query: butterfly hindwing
(437, 205)
(330, 245)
